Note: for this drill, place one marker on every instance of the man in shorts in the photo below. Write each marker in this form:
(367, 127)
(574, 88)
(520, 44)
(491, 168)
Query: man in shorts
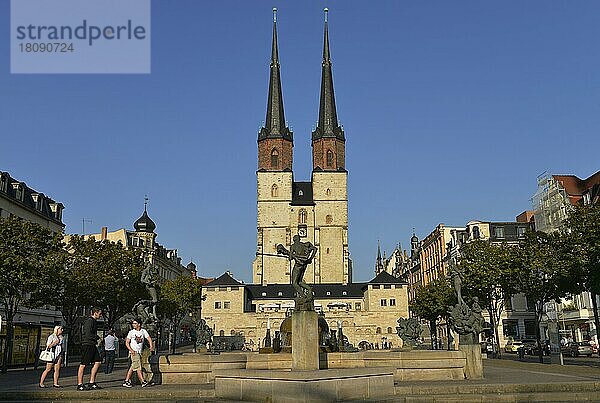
(89, 351)
(135, 344)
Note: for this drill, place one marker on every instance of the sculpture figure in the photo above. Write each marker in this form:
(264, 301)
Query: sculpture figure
(204, 334)
(302, 253)
(149, 279)
(409, 330)
(457, 274)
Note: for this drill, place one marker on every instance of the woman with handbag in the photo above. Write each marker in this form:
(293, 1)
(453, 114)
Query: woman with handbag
(55, 359)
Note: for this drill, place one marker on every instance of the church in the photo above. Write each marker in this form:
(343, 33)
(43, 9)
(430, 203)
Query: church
(317, 211)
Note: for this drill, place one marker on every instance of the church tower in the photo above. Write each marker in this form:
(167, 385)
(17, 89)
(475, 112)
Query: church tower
(329, 180)
(274, 180)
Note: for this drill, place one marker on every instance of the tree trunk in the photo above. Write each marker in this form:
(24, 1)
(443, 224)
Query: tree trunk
(596, 319)
(538, 341)
(11, 311)
(496, 337)
(433, 334)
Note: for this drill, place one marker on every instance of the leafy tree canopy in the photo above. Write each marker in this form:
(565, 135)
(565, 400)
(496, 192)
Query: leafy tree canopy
(433, 300)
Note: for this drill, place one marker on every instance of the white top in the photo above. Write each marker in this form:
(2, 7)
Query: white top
(136, 339)
(109, 343)
(52, 339)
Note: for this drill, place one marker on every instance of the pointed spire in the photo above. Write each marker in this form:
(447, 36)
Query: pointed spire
(275, 126)
(378, 262)
(328, 125)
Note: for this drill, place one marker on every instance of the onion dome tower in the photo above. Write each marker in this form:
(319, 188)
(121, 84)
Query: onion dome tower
(144, 223)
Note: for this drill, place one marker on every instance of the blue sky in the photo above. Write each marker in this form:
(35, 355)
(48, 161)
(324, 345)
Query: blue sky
(451, 110)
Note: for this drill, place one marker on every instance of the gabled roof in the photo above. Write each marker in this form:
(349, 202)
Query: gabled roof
(386, 278)
(224, 279)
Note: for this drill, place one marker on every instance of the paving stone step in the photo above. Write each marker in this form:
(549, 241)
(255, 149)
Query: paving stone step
(155, 393)
(497, 388)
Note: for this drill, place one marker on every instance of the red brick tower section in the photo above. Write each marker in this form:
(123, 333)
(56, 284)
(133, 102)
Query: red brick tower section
(275, 139)
(328, 139)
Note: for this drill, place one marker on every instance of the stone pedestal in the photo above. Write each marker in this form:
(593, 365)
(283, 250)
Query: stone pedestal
(474, 364)
(305, 341)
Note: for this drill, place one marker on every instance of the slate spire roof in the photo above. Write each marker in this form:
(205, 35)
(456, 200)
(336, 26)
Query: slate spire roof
(275, 125)
(327, 125)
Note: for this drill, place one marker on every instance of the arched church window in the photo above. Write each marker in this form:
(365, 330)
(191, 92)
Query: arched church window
(222, 333)
(328, 192)
(328, 219)
(275, 159)
(274, 190)
(302, 217)
(389, 329)
(329, 158)
(378, 331)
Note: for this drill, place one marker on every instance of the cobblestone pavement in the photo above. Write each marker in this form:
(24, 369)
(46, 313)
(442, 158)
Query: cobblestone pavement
(507, 375)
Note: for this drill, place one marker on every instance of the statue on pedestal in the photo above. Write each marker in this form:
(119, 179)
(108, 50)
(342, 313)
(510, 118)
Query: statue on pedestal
(467, 321)
(302, 253)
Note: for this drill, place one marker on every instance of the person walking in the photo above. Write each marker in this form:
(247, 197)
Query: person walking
(109, 350)
(89, 351)
(135, 344)
(55, 343)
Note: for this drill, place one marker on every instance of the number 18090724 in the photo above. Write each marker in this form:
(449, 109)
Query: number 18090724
(46, 47)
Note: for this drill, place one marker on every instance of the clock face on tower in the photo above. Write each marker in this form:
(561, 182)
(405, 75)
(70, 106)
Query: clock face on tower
(302, 232)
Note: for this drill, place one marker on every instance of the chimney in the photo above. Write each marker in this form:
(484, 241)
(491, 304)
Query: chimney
(104, 233)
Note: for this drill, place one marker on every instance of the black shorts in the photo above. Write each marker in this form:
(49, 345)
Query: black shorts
(89, 355)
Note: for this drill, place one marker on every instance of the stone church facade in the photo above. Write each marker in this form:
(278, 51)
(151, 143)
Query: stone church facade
(317, 211)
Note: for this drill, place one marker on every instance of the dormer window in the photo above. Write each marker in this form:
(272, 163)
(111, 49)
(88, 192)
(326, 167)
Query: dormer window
(18, 191)
(37, 201)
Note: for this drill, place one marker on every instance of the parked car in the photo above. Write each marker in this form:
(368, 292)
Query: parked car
(575, 349)
(512, 346)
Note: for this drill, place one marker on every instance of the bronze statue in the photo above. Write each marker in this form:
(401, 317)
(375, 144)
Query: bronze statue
(149, 279)
(457, 273)
(302, 253)
(409, 330)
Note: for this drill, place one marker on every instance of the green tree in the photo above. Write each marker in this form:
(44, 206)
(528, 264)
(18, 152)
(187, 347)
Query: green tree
(432, 303)
(99, 273)
(489, 275)
(30, 257)
(546, 272)
(583, 238)
(178, 298)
